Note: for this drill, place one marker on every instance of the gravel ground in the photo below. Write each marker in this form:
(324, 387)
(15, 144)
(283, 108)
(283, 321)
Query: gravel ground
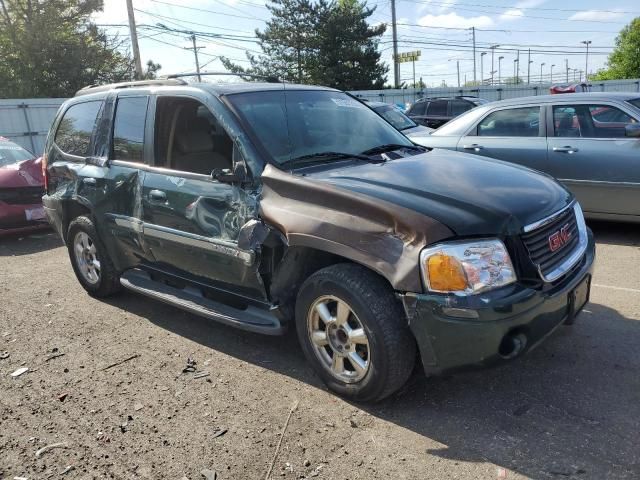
(570, 409)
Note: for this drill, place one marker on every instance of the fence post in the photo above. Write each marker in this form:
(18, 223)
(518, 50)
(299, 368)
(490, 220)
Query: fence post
(499, 93)
(29, 133)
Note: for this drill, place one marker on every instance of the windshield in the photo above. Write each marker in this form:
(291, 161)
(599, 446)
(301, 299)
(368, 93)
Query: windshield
(298, 123)
(11, 153)
(395, 117)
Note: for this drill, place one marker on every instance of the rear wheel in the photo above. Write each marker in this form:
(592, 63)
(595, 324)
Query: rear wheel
(90, 260)
(354, 332)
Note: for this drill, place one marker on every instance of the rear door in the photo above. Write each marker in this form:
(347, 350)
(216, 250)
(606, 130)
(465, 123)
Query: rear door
(437, 113)
(513, 134)
(191, 220)
(589, 152)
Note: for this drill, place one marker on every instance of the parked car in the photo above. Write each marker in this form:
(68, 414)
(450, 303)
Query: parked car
(569, 88)
(399, 120)
(589, 141)
(435, 112)
(21, 189)
(262, 208)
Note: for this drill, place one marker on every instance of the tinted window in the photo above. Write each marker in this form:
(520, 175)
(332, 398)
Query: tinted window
(418, 108)
(437, 108)
(11, 153)
(459, 106)
(590, 121)
(515, 122)
(635, 102)
(128, 129)
(312, 122)
(76, 127)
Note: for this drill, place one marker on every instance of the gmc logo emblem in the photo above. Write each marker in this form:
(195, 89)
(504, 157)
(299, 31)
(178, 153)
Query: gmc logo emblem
(559, 238)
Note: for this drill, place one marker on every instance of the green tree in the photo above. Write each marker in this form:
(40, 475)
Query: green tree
(348, 56)
(318, 42)
(624, 61)
(50, 48)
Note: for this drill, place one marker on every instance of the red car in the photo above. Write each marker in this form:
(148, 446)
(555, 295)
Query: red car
(21, 190)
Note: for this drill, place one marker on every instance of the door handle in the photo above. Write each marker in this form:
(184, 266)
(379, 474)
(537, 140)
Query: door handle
(157, 196)
(566, 149)
(474, 146)
(92, 182)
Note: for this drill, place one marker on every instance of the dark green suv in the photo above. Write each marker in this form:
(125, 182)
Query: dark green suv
(269, 205)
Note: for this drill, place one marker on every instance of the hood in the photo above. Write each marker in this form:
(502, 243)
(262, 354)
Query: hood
(27, 173)
(471, 195)
(418, 131)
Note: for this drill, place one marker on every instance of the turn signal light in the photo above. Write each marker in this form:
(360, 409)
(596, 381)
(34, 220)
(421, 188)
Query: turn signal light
(45, 173)
(446, 273)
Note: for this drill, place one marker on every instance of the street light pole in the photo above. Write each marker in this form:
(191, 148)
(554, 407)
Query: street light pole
(551, 76)
(586, 61)
(500, 70)
(515, 62)
(482, 67)
(541, 65)
(493, 70)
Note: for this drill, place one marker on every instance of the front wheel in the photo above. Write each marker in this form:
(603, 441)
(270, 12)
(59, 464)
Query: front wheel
(354, 332)
(90, 260)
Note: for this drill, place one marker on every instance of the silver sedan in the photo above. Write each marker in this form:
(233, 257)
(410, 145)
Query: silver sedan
(588, 141)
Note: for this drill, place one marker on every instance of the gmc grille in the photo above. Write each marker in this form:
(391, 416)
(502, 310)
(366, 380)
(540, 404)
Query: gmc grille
(21, 196)
(550, 244)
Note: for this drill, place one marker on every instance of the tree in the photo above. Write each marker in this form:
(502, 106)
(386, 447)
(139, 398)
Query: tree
(318, 42)
(348, 57)
(50, 48)
(624, 61)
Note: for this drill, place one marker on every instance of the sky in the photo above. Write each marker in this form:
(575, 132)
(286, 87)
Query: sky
(440, 29)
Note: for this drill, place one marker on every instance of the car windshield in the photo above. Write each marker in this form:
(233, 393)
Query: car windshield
(300, 123)
(395, 117)
(11, 153)
(635, 102)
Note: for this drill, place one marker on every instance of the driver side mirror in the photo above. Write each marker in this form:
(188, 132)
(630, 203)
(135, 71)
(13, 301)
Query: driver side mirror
(632, 130)
(226, 175)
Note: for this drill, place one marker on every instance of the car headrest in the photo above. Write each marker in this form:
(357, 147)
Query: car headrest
(196, 137)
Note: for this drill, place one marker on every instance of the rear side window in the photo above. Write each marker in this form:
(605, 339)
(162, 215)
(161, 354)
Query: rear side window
(514, 122)
(590, 121)
(635, 102)
(459, 107)
(128, 129)
(76, 128)
(418, 108)
(438, 108)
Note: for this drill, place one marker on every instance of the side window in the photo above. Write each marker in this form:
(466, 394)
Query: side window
(128, 129)
(458, 107)
(437, 108)
(76, 128)
(189, 138)
(590, 121)
(514, 122)
(418, 108)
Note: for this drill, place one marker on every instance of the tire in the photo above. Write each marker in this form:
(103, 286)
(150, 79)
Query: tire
(385, 358)
(105, 281)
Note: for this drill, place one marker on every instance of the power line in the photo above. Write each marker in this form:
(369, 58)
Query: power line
(207, 11)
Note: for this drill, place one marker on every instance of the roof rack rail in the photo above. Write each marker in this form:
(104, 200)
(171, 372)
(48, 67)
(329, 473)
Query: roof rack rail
(140, 83)
(268, 78)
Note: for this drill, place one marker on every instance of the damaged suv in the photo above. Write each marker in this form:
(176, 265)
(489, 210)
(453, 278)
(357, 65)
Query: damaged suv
(266, 205)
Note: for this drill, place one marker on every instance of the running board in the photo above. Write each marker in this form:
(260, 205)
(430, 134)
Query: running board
(191, 300)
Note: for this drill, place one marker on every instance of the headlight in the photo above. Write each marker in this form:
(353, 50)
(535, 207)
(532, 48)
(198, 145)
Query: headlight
(466, 268)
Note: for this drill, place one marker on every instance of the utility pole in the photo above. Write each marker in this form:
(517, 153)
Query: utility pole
(529, 68)
(396, 65)
(515, 62)
(458, 68)
(134, 40)
(500, 70)
(473, 32)
(518, 68)
(566, 66)
(195, 53)
(586, 61)
(482, 67)
(493, 51)
(541, 65)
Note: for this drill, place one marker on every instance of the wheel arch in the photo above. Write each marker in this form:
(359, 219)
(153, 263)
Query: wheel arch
(72, 209)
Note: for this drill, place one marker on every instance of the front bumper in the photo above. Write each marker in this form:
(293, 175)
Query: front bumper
(450, 343)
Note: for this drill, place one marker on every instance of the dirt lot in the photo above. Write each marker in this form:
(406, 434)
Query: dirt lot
(570, 409)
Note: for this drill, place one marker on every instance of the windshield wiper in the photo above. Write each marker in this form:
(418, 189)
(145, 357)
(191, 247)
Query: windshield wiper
(388, 147)
(324, 156)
